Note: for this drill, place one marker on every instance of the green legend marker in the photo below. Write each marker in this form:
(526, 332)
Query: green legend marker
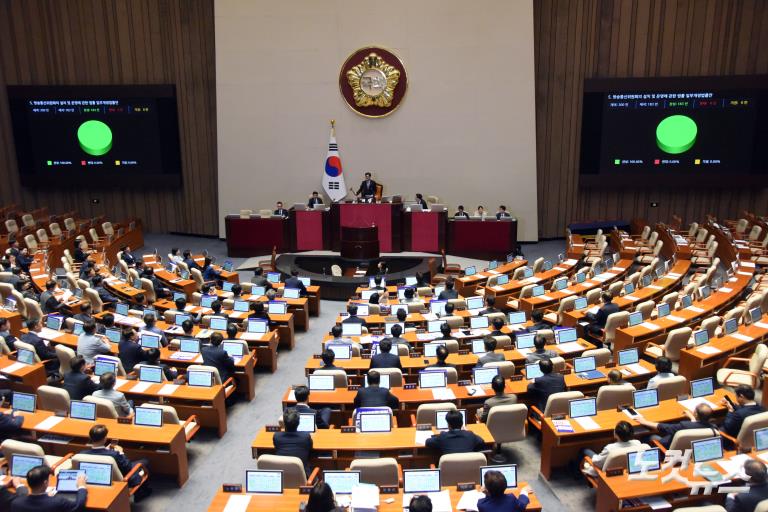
(676, 134)
(95, 137)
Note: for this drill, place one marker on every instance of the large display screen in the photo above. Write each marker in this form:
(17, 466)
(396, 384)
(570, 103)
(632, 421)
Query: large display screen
(675, 131)
(96, 135)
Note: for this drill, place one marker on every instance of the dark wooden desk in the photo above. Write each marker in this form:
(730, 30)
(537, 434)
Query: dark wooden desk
(482, 238)
(256, 235)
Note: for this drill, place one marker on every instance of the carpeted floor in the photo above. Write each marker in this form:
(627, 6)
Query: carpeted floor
(214, 461)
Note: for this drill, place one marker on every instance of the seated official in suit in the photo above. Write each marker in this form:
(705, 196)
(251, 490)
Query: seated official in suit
(189, 261)
(210, 273)
(338, 338)
(153, 359)
(489, 342)
(292, 443)
(758, 489)
(7, 497)
(409, 296)
(597, 321)
(279, 210)
(85, 313)
(480, 212)
(44, 351)
(421, 202)
(548, 384)
(460, 213)
(295, 282)
(259, 279)
(108, 392)
(322, 416)
(161, 290)
(100, 445)
(448, 293)
(497, 325)
(129, 350)
(623, 434)
(384, 359)
(375, 396)
(353, 318)
(700, 418)
(540, 353)
(615, 378)
(78, 384)
(5, 333)
(496, 499)
(49, 302)
(149, 326)
(217, 357)
(445, 331)
(128, 256)
(663, 371)
(105, 295)
(367, 189)
(455, 439)
(402, 316)
(502, 213)
(377, 284)
(499, 398)
(10, 425)
(37, 499)
(394, 336)
(329, 357)
(745, 398)
(314, 199)
(537, 317)
(442, 354)
(490, 306)
(90, 344)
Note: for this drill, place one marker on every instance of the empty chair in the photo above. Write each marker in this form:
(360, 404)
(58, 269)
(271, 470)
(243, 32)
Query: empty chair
(55, 229)
(557, 403)
(506, 368)
(65, 355)
(292, 468)
(42, 236)
(33, 308)
(558, 364)
(425, 413)
(245, 214)
(11, 226)
(265, 212)
(646, 308)
(705, 259)
(28, 220)
(93, 297)
(507, 423)
(732, 377)
(538, 264)
(383, 471)
(677, 339)
(104, 408)
(611, 396)
(117, 475)
(11, 447)
(460, 467)
(51, 398)
(615, 288)
(672, 387)
(31, 242)
(171, 417)
(613, 322)
(70, 224)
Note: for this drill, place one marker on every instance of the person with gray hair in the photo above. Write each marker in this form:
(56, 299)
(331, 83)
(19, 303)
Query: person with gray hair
(758, 489)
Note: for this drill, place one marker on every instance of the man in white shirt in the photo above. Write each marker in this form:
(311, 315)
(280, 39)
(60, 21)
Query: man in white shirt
(623, 434)
(664, 371)
(108, 392)
(90, 344)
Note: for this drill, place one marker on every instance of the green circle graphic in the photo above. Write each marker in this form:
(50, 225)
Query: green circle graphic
(95, 137)
(676, 134)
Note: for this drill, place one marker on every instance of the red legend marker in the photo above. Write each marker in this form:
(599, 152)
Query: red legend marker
(657, 161)
(82, 162)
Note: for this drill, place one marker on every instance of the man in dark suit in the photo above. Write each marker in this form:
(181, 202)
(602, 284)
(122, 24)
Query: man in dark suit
(315, 199)
(499, 398)
(99, 446)
(597, 321)
(502, 213)
(699, 419)
(455, 440)
(48, 301)
(758, 489)
(128, 256)
(292, 443)
(461, 214)
(322, 417)
(210, 273)
(442, 355)
(38, 500)
(129, 351)
(259, 279)
(421, 202)
(189, 261)
(44, 352)
(545, 385)
(497, 323)
(377, 284)
(10, 425)
(295, 282)
(328, 357)
(105, 295)
(279, 210)
(375, 396)
(367, 189)
(78, 384)
(384, 359)
(490, 356)
(353, 318)
(217, 357)
(745, 397)
(7, 497)
(497, 499)
(537, 317)
(448, 293)
(5, 333)
(490, 306)
(80, 255)
(160, 289)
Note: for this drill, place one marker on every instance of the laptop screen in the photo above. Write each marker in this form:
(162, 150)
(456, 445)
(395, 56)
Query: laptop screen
(580, 278)
(432, 379)
(761, 439)
(474, 303)
(383, 380)
(580, 303)
(362, 309)
(628, 356)
(121, 308)
(533, 371)
(478, 346)
(191, 345)
(80, 410)
(702, 387)
(755, 314)
(700, 337)
(291, 293)
(527, 272)
(686, 301)
(23, 402)
(635, 318)
(321, 383)
(258, 326)
(731, 325)
(582, 407)
(181, 318)
(259, 291)
(420, 481)
(481, 376)
(97, 473)
(470, 271)
(112, 334)
(537, 290)
(25, 356)
(179, 295)
(148, 417)
(662, 310)
(518, 317)
(566, 335)
(102, 366)
(341, 482)
(584, 364)
(241, 306)
(493, 264)
(629, 288)
(707, 449)
(375, 422)
(233, 348)
(430, 349)
(560, 284)
(227, 286)
(218, 323)
(306, 422)
(478, 322)
(21, 464)
(645, 398)
(394, 308)
(351, 329)
(434, 325)
(66, 481)
(77, 328)
(200, 378)
(207, 300)
(442, 424)
(409, 281)
(150, 374)
(525, 340)
(437, 307)
(502, 279)
(54, 322)
(650, 459)
(508, 470)
(273, 277)
(340, 350)
(264, 481)
(148, 340)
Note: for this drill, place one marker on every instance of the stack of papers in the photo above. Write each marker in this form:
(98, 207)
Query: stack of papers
(49, 422)
(562, 425)
(238, 503)
(650, 326)
(631, 297)
(673, 318)
(168, 389)
(183, 356)
(365, 498)
(443, 394)
(422, 436)
(469, 500)
(696, 309)
(50, 334)
(13, 367)
(543, 297)
(587, 423)
(429, 317)
(725, 290)
(427, 336)
(571, 261)
(637, 368)
(742, 337)
(706, 349)
(692, 403)
(571, 346)
(140, 387)
(761, 325)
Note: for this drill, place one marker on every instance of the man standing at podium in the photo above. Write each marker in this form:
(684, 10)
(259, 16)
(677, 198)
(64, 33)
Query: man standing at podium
(367, 190)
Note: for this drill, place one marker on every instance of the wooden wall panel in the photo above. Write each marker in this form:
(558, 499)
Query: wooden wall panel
(576, 40)
(47, 42)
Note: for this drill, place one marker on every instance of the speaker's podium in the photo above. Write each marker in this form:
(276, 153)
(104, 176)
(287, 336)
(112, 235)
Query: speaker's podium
(360, 243)
(386, 217)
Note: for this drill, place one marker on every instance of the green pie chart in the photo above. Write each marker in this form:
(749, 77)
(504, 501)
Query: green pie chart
(95, 137)
(676, 134)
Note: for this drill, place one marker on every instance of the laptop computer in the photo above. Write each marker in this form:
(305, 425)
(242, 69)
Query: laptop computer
(508, 470)
(148, 417)
(80, 410)
(702, 387)
(97, 473)
(419, 481)
(585, 368)
(342, 482)
(582, 407)
(263, 481)
(650, 459)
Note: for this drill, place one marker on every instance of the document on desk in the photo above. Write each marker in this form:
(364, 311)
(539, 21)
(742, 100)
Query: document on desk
(593, 310)
(761, 325)
(735, 464)
(237, 503)
(422, 436)
(365, 497)
(498, 288)
(429, 317)
(650, 326)
(543, 297)
(478, 390)
(469, 500)
(441, 501)
(168, 389)
(50, 334)
(140, 387)
(742, 337)
(571, 346)
(49, 423)
(480, 332)
(443, 394)
(631, 297)
(427, 336)
(656, 502)
(744, 273)
(587, 423)
(673, 318)
(247, 336)
(637, 368)
(725, 289)
(706, 349)
(562, 425)
(183, 356)
(696, 309)
(13, 367)
(692, 403)
(674, 275)
(654, 287)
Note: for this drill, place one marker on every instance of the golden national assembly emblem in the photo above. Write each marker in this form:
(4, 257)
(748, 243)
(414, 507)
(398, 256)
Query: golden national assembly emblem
(373, 82)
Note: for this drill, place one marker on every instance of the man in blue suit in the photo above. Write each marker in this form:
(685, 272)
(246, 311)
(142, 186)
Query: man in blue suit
(384, 359)
(78, 384)
(546, 385)
(496, 499)
(455, 440)
(295, 282)
(217, 357)
(100, 446)
(129, 350)
(38, 500)
(745, 396)
(375, 396)
(292, 443)
(44, 352)
(322, 417)
(758, 489)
